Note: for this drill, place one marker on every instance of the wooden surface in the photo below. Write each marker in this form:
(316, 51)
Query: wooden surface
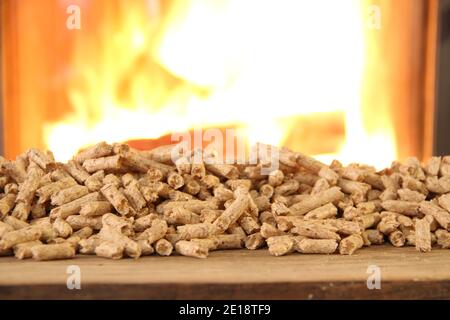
(239, 274)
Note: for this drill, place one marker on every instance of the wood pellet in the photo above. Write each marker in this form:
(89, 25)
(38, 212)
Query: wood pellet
(116, 202)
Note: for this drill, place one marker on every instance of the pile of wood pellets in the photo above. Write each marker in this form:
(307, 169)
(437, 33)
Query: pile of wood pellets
(113, 201)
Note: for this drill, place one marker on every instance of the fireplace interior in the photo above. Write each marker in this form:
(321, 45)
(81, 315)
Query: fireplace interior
(360, 81)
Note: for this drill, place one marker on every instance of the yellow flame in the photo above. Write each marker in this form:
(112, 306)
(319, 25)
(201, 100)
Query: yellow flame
(224, 62)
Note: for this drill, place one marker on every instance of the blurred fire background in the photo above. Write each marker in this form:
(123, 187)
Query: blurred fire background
(349, 79)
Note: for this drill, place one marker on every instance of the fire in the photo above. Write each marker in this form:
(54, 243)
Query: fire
(250, 64)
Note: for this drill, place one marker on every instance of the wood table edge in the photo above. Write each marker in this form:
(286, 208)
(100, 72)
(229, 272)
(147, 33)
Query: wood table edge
(427, 289)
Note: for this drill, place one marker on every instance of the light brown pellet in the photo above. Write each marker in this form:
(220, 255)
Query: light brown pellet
(323, 212)
(53, 251)
(69, 194)
(175, 180)
(223, 170)
(110, 250)
(23, 250)
(163, 247)
(191, 186)
(73, 207)
(410, 195)
(112, 179)
(397, 238)
(181, 216)
(45, 192)
(95, 208)
(280, 245)
(76, 171)
(315, 231)
(320, 185)
(267, 231)
(405, 207)
(146, 247)
(441, 216)
(117, 199)
(144, 222)
(131, 247)
(7, 204)
(324, 246)
(114, 163)
(433, 165)
(83, 233)
(443, 238)
(388, 224)
(444, 201)
(191, 249)
(228, 241)
(317, 200)
(5, 228)
(198, 230)
(99, 150)
(350, 244)
(88, 245)
(95, 181)
(249, 224)
(62, 228)
(118, 223)
(41, 159)
(12, 238)
(422, 235)
(233, 212)
(78, 222)
(134, 196)
(374, 236)
(157, 230)
(198, 170)
(15, 223)
(254, 241)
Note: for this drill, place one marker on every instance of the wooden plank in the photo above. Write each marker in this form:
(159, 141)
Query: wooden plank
(241, 274)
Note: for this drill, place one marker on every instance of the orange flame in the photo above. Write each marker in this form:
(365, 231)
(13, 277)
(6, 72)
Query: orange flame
(248, 63)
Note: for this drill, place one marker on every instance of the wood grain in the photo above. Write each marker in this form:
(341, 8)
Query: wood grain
(405, 274)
